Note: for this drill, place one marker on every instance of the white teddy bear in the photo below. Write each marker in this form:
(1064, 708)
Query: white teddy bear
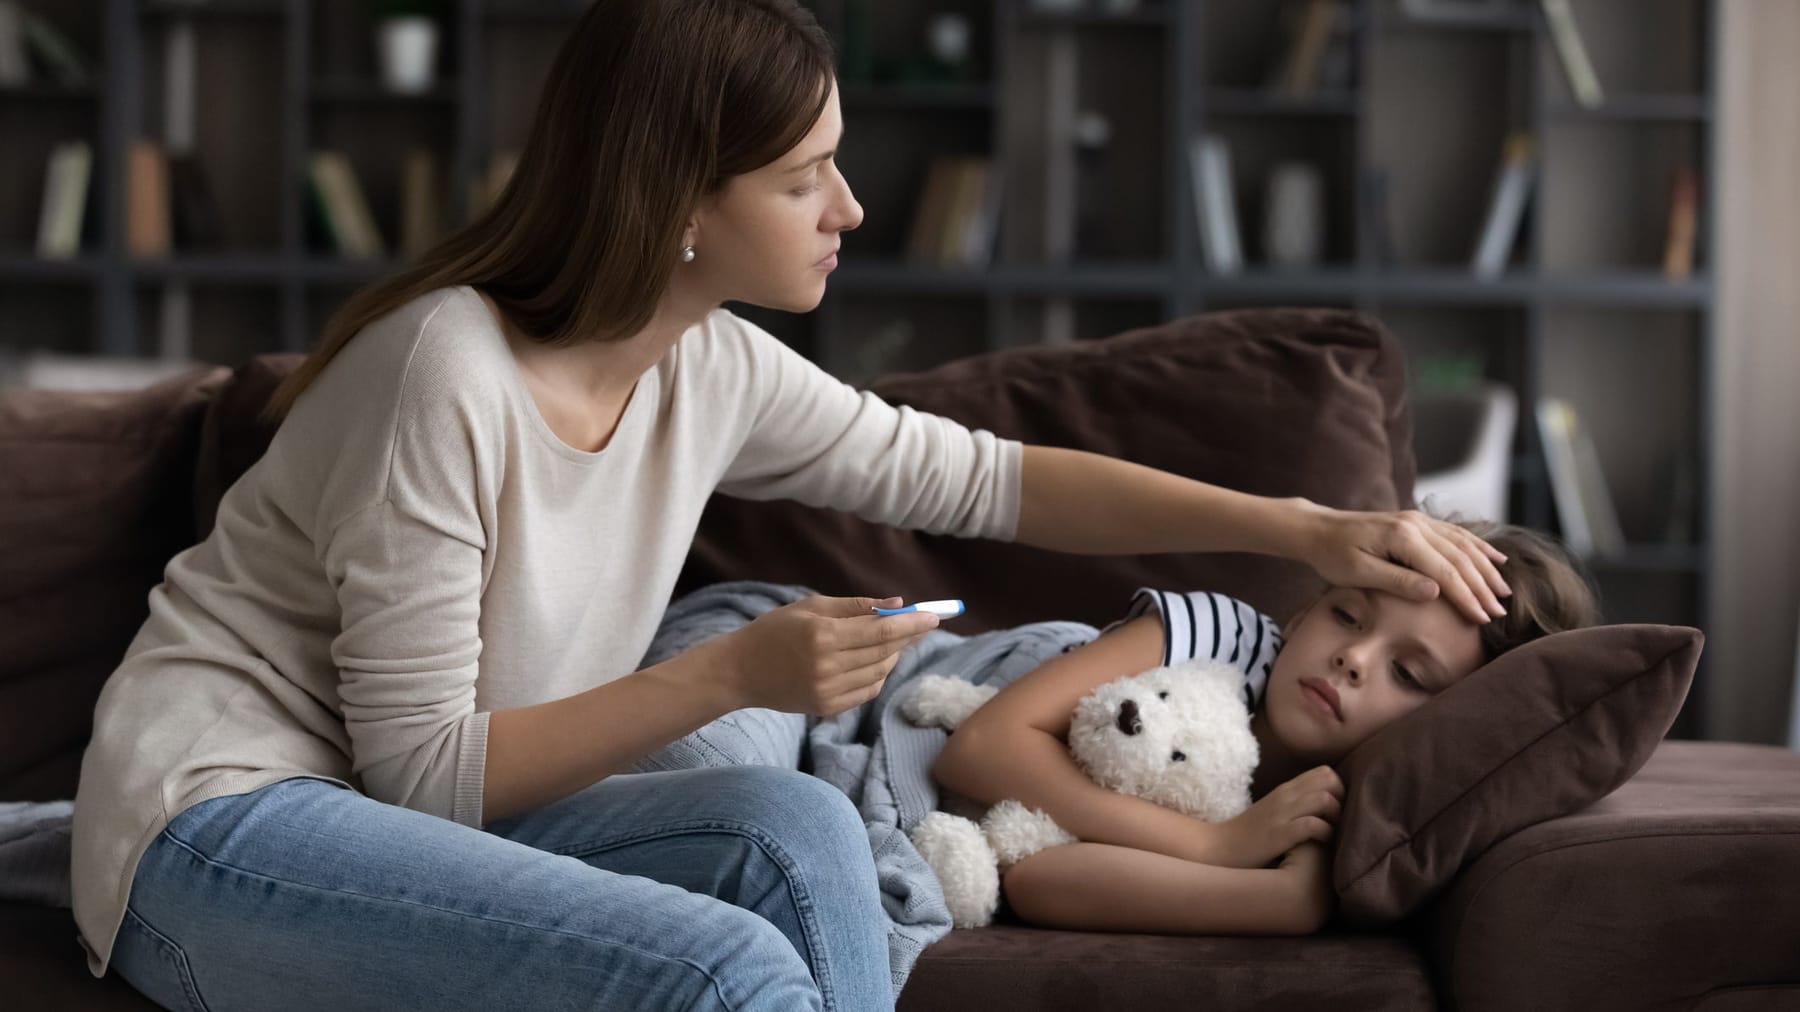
(1177, 735)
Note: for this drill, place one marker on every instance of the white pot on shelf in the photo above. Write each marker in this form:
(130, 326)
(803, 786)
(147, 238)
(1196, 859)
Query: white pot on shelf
(408, 47)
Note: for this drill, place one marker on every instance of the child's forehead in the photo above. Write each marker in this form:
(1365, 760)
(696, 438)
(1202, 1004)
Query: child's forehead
(1436, 621)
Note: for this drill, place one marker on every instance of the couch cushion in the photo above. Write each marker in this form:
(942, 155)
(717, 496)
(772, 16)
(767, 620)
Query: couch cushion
(45, 967)
(1679, 890)
(1017, 967)
(1279, 402)
(93, 503)
(1542, 730)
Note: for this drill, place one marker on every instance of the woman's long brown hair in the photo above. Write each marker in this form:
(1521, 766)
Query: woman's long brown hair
(649, 106)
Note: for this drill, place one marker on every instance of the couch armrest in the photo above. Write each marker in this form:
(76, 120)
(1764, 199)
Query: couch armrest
(1683, 883)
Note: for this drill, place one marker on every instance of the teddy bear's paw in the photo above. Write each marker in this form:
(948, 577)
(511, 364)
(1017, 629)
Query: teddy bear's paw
(940, 701)
(1016, 832)
(964, 864)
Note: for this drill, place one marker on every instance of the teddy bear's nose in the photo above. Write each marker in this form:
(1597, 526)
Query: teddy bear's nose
(1128, 718)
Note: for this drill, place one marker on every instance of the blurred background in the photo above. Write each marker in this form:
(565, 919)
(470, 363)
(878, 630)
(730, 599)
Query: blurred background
(1580, 217)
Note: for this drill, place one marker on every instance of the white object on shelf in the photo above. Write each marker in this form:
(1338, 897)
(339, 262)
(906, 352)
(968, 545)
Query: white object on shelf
(1294, 215)
(1209, 157)
(1463, 444)
(408, 53)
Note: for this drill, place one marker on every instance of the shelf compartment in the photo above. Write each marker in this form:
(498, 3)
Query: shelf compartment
(49, 317)
(227, 324)
(1606, 190)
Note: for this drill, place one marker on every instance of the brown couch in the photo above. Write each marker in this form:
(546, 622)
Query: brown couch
(1680, 890)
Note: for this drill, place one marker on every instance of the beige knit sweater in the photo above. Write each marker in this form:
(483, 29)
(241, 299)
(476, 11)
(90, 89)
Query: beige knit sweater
(418, 549)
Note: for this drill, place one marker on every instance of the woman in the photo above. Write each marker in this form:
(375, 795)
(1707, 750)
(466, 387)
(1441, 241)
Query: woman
(359, 754)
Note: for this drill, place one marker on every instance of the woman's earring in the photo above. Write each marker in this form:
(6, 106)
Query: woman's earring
(687, 254)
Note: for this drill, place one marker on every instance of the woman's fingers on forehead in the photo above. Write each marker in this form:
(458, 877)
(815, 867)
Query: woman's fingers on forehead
(1451, 578)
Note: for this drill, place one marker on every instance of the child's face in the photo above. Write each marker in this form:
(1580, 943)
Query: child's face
(1382, 655)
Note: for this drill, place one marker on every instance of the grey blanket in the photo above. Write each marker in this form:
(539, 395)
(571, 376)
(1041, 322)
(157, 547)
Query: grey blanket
(871, 753)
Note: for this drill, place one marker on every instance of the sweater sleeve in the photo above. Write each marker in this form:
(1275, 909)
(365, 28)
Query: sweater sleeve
(408, 574)
(810, 437)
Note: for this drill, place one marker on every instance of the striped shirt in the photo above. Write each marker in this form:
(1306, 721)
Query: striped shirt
(1205, 625)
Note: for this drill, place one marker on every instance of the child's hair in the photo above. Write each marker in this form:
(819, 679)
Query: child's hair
(1550, 593)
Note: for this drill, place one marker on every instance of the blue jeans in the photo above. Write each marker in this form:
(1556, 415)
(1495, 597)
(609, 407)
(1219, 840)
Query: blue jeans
(744, 887)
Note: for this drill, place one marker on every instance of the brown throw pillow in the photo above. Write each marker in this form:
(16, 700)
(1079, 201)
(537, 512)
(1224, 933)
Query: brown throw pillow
(1542, 731)
(92, 505)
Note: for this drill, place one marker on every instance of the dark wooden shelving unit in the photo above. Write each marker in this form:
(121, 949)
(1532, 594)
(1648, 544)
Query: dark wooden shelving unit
(1583, 311)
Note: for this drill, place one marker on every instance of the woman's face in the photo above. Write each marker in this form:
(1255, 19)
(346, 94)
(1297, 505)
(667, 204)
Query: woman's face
(768, 236)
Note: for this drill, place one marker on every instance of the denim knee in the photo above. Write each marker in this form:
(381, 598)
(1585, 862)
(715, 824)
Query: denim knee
(745, 962)
(803, 814)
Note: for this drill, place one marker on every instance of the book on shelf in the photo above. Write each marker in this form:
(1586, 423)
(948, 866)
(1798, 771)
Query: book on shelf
(1378, 216)
(1584, 504)
(956, 216)
(15, 67)
(66, 185)
(28, 38)
(346, 211)
(55, 52)
(1506, 206)
(148, 232)
(1312, 35)
(1209, 165)
(1572, 53)
(421, 210)
(197, 223)
(1684, 214)
(980, 226)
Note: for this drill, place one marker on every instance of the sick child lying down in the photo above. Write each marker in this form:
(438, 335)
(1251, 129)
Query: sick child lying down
(1345, 666)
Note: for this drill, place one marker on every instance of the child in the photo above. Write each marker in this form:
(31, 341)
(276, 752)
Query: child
(1341, 669)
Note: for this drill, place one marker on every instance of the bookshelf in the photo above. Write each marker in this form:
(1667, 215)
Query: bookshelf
(1582, 310)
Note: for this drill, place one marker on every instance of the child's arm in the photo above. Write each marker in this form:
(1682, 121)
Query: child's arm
(1100, 887)
(1015, 746)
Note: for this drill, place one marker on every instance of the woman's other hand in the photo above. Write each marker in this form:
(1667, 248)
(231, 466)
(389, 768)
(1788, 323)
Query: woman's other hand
(818, 656)
(1406, 553)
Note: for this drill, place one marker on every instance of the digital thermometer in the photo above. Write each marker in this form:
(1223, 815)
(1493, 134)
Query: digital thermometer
(942, 609)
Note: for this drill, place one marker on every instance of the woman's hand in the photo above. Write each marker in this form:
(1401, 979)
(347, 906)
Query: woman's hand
(819, 655)
(1302, 809)
(1406, 553)
(1308, 867)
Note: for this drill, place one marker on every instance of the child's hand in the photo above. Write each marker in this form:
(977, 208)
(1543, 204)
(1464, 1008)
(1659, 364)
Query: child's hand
(1305, 808)
(1309, 869)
